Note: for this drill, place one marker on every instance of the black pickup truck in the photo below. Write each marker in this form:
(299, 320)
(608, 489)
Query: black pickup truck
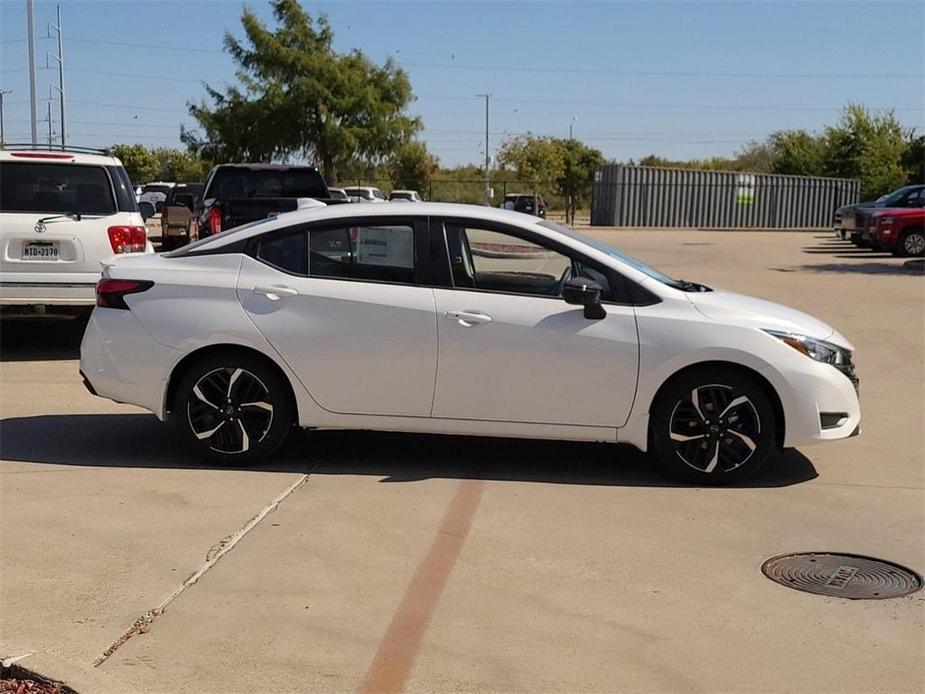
(236, 194)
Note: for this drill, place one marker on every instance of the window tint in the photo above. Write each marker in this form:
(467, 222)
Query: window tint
(125, 194)
(60, 188)
(241, 182)
(373, 253)
(286, 252)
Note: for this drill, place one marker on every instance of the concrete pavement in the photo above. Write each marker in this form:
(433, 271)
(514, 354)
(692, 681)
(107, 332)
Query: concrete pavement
(483, 565)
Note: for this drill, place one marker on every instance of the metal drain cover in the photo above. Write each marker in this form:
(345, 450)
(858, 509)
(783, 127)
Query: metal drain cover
(842, 575)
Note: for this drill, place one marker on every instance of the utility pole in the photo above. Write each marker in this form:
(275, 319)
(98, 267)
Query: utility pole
(49, 124)
(32, 98)
(60, 59)
(487, 98)
(570, 126)
(570, 201)
(2, 92)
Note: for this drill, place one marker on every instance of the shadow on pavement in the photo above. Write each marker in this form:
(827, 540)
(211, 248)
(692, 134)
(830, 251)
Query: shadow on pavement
(866, 268)
(41, 339)
(141, 441)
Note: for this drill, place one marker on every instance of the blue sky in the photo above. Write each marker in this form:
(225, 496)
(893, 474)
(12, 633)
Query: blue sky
(682, 80)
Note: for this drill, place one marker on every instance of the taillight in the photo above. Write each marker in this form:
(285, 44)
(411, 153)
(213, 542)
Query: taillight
(112, 293)
(127, 239)
(215, 219)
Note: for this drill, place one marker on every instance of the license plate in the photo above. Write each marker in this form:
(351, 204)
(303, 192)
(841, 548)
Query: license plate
(40, 251)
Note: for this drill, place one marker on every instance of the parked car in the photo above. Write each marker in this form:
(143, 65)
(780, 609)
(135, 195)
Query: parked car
(61, 214)
(177, 214)
(524, 203)
(852, 220)
(236, 194)
(900, 231)
(507, 326)
(155, 193)
(405, 195)
(339, 194)
(364, 194)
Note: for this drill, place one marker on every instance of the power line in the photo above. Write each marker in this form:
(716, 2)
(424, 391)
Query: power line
(618, 104)
(661, 73)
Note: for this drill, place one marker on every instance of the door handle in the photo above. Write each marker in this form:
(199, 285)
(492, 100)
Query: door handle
(468, 318)
(275, 293)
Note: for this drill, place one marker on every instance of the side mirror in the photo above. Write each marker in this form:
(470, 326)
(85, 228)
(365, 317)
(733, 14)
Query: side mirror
(146, 209)
(581, 291)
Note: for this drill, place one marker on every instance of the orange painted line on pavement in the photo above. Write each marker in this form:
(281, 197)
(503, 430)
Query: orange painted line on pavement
(402, 641)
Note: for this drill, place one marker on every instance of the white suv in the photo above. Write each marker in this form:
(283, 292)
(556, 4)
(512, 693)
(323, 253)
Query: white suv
(61, 214)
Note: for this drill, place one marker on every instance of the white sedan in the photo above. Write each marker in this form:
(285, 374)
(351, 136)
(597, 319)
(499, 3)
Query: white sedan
(459, 319)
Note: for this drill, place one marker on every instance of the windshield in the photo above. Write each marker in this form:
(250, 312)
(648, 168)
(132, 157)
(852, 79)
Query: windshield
(895, 196)
(614, 253)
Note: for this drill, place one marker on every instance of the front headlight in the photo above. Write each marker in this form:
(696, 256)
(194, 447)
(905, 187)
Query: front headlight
(819, 350)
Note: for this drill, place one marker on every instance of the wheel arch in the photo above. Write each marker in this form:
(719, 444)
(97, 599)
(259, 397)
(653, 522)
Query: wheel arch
(780, 423)
(211, 351)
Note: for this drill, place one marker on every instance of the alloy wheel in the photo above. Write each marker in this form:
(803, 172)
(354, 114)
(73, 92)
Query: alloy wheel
(914, 243)
(714, 428)
(230, 410)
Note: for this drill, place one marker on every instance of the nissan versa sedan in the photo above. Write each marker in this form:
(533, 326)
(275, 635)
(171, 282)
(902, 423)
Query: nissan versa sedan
(459, 319)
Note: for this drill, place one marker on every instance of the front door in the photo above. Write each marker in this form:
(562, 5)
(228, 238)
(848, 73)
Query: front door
(341, 306)
(512, 350)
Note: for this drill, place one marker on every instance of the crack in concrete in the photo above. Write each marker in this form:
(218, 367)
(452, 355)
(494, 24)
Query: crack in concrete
(215, 553)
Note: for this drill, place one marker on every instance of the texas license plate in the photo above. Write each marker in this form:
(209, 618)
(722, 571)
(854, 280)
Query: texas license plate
(43, 250)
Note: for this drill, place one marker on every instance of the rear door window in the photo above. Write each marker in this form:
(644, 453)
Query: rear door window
(55, 188)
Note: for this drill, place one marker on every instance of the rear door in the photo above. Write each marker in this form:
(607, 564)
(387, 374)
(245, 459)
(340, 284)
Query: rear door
(31, 191)
(343, 304)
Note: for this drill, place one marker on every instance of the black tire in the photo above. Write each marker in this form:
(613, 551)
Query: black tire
(724, 442)
(241, 400)
(167, 243)
(912, 243)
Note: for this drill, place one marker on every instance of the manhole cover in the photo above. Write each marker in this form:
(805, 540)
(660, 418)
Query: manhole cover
(842, 575)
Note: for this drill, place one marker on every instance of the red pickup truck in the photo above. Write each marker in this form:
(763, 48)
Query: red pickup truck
(900, 230)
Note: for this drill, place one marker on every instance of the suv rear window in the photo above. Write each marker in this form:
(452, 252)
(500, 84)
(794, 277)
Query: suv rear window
(235, 182)
(59, 188)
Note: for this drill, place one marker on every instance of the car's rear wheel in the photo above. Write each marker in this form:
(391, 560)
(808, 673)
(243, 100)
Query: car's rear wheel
(912, 242)
(232, 409)
(713, 426)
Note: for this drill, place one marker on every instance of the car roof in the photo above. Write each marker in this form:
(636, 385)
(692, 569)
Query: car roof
(43, 156)
(323, 213)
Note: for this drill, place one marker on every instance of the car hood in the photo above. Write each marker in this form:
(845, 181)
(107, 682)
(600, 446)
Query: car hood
(729, 307)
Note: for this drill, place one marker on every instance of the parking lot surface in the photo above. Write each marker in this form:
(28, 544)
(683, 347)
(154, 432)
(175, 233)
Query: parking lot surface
(376, 562)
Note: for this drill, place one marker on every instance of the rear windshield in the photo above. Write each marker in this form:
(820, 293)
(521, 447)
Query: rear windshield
(59, 188)
(156, 189)
(267, 183)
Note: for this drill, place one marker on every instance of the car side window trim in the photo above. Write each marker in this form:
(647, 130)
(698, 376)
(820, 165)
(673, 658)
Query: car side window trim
(424, 272)
(618, 282)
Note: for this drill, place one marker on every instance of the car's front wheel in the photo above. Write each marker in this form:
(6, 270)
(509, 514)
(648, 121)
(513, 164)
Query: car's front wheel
(232, 409)
(713, 426)
(912, 243)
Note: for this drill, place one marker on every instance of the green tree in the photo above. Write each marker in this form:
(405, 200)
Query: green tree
(299, 97)
(913, 159)
(539, 161)
(797, 152)
(413, 166)
(180, 166)
(867, 146)
(141, 164)
(574, 183)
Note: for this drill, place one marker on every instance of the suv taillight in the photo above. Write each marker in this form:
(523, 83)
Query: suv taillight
(215, 219)
(127, 239)
(111, 293)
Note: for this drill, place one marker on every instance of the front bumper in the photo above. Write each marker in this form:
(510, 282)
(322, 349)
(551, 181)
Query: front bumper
(810, 391)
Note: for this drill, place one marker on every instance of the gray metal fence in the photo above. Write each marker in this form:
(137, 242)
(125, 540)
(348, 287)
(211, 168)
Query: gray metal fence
(642, 196)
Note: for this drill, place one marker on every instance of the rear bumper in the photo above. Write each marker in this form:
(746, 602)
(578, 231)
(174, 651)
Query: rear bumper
(14, 293)
(119, 360)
